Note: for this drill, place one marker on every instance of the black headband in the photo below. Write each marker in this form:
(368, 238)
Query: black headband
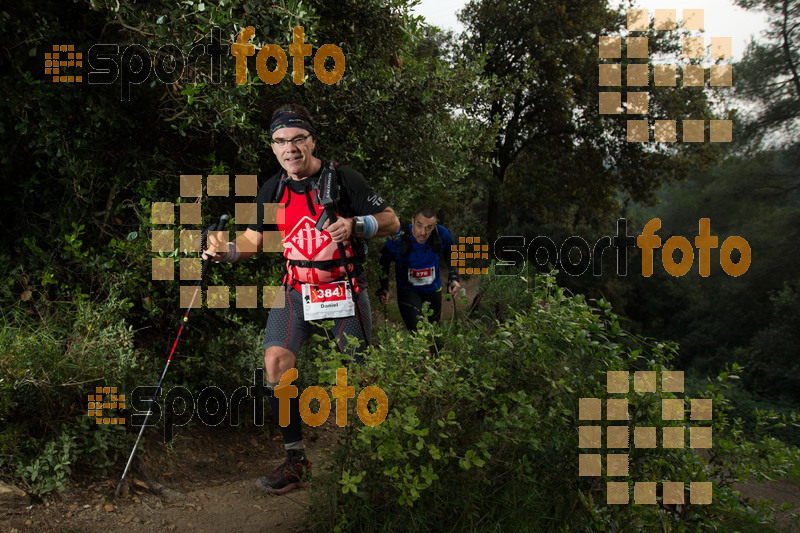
(290, 119)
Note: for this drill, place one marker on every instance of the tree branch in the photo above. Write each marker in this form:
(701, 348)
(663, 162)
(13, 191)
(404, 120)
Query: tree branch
(785, 46)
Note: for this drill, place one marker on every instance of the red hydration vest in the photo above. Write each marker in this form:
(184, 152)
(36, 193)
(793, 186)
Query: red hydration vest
(312, 256)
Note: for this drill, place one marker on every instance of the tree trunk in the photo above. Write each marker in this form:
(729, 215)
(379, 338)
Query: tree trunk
(493, 209)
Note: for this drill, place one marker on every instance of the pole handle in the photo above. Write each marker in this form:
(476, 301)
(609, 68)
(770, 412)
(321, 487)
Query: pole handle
(219, 226)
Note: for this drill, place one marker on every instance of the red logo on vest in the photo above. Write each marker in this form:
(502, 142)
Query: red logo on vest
(306, 239)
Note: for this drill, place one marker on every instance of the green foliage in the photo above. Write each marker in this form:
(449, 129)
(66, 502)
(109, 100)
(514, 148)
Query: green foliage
(49, 365)
(224, 358)
(484, 426)
(500, 297)
(552, 150)
(481, 431)
(92, 164)
(52, 360)
(101, 447)
(750, 319)
(771, 357)
(75, 259)
(52, 468)
(83, 444)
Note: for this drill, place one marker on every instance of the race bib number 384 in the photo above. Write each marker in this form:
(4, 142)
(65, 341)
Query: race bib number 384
(332, 300)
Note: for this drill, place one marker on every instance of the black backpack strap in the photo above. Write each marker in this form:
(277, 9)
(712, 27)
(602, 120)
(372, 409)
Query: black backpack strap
(329, 167)
(330, 179)
(327, 265)
(436, 242)
(327, 190)
(405, 244)
(282, 181)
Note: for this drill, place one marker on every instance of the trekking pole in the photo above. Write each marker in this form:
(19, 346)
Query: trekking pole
(328, 198)
(184, 321)
(453, 298)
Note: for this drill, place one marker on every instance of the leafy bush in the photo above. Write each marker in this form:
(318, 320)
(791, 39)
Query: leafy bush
(60, 356)
(84, 444)
(499, 296)
(49, 365)
(482, 431)
(225, 359)
(51, 469)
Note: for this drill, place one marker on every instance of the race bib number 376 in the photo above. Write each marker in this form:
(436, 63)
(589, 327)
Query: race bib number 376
(420, 277)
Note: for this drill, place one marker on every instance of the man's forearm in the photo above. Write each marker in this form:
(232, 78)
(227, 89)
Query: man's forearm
(388, 223)
(248, 244)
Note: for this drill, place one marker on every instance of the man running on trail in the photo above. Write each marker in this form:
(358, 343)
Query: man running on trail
(416, 253)
(323, 263)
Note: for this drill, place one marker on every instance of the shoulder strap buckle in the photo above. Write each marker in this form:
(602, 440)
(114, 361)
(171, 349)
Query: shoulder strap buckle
(328, 194)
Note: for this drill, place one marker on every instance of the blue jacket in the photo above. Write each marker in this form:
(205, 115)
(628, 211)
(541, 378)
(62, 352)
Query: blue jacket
(418, 271)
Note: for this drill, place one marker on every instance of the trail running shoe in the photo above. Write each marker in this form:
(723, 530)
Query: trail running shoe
(292, 474)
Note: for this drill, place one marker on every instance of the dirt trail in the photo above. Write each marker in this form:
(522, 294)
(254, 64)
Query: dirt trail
(778, 492)
(212, 472)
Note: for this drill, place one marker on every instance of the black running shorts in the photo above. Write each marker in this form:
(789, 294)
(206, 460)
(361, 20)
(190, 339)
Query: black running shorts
(288, 329)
